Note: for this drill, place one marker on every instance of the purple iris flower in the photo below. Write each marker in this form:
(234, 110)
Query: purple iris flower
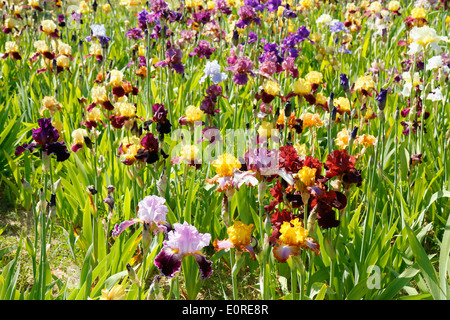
(202, 17)
(182, 241)
(46, 133)
(288, 13)
(247, 15)
(303, 34)
(61, 20)
(59, 149)
(223, 7)
(255, 4)
(242, 67)
(46, 137)
(158, 5)
(135, 33)
(173, 60)
(272, 5)
(252, 37)
(203, 50)
(143, 16)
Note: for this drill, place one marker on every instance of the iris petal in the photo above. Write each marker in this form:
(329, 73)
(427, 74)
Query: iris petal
(283, 252)
(119, 228)
(204, 264)
(223, 244)
(168, 262)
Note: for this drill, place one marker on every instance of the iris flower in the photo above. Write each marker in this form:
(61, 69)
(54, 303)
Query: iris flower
(163, 124)
(152, 210)
(12, 49)
(203, 50)
(209, 103)
(423, 38)
(242, 67)
(293, 237)
(340, 164)
(49, 27)
(182, 241)
(212, 70)
(46, 137)
(115, 293)
(240, 237)
(173, 60)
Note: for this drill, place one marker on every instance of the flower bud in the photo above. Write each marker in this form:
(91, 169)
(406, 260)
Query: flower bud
(56, 185)
(344, 82)
(146, 236)
(26, 185)
(154, 292)
(109, 200)
(91, 190)
(110, 188)
(287, 109)
(161, 184)
(354, 133)
(132, 275)
(331, 101)
(235, 37)
(333, 113)
(381, 98)
(45, 162)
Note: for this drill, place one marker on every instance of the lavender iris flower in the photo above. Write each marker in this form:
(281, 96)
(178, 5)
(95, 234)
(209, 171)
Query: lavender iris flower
(182, 241)
(152, 210)
(338, 26)
(98, 31)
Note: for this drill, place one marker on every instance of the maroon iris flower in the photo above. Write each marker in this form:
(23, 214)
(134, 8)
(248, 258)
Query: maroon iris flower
(289, 160)
(149, 153)
(163, 125)
(340, 163)
(324, 203)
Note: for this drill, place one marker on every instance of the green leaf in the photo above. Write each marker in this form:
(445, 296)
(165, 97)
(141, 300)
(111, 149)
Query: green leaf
(424, 264)
(322, 292)
(444, 269)
(398, 283)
